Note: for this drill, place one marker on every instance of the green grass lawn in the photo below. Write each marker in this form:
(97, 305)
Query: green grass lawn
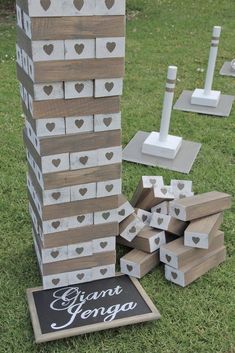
(199, 318)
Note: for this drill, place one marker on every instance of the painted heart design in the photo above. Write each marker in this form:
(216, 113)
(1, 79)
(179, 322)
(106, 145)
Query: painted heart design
(55, 254)
(83, 191)
(79, 48)
(132, 230)
(80, 218)
(160, 221)
(111, 46)
(79, 87)
(109, 3)
(48, 89)
(56, 195)
(48, 48)
(36, 141)
(195, 240)
(174, 275)
(107, 121)
(103, 244)
(83, 160)
(152, 181)
(109, 187)
(55, 281)
(144, 218)
(80, 276)
(180, 186)
(103, 271)
(78, 4)
(157, 241)
(182, 196)
(122, 212)
(129, 267)
(177, 211)
(106, 215)
(79, 250)
(56, 162)
(159, 210)
(164, 191)
(56, 224)
(109, 155)
(45, 4)
(109, 86)
(79, 123)
(168, 258)
(50, 126)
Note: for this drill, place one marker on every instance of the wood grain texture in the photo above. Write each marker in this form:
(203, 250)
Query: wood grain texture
(23, 41)
(177, 255)
(145, 184)
(168, 223)
(198, 206)
(44, 28)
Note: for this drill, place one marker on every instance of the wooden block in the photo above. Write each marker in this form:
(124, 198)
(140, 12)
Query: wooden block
(199, 206)
(85, 159)
(81, 220)
(181, 186)
(196, 269)
(110, 155)
(79, 49)
(64, 28)
(77, 124)
(137, 263)
(25, 97)
(103, 244)
(162, 208)
(19, 58)
(31, 68)
(130, 227)
(47, 50)
(110, 47)
(168, 223)
(108, 87)
(78, 7)
(48, 91)
(101, 272)
(177, 255)
(108, 188)
(200, 232)
(106, 216)
(145, 216)
(83, 192)
(80, 250)
(49, 127)
(55, 163)
(145, 184)
(182, 195)
(155, 196)
(80, 276)
(27, 25)
(51, 281)
(25, 61)
(110, 7)
(19, 16)
(124, 208)
(104, 122)
(78, 89)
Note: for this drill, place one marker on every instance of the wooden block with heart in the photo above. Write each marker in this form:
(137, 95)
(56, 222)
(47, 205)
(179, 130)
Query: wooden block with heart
(138, 263)
(162, 208)
(110, 47)
(155, 196)
(109, 188)
(108, 87)
(104, 122)
(79, 49)
(78, 89)
(168, 223)
(124, 208)
(110, 7)
(107, 216)
(145, 216)
(146, 183)
(130, 227)
(79, 124)
(47, 50)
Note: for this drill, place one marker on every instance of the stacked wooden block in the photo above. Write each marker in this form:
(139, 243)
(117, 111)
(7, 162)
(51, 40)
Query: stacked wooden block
(70, 64)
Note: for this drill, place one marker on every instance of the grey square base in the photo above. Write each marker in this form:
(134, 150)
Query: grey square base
(223, 109)
(226, 70)
(182, 163)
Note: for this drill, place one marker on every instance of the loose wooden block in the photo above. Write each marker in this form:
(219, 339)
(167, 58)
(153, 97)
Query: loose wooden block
(199, 206)
(110, 7)
(168, 223)
(145, 216)
(83, 192)
(108, 87)
(27, 25)
(107, 216)
(178, 186)
(80, 276)
(101, 272)
(138, 263)
(110, 155)
(130, 227)
(195, 269)
(110, 47)
(19, 58)
(80, 250)
(124, 208)
(162, 208)
(200, 232)
(84, 159)
(145, 184)
(78, 89)
(182, 195)
(103, 244)
(19, 16)
(155, 196)
(108, 188)
(79, 49)
(55, 163)
(77, 124)
(104, 122)
(177, 255)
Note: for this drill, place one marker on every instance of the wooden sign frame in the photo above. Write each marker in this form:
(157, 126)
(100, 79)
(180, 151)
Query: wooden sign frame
(40, 337)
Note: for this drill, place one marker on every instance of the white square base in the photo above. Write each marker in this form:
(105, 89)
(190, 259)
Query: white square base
(210, 100)
(167, 149)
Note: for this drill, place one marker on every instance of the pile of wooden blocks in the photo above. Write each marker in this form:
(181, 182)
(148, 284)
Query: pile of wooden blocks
(70, 64)
(171, 225)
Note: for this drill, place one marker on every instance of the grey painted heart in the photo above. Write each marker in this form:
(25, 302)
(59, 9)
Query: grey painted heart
(103, 244)
(103, 271)
(55, 254)
(109, 188)
(129, 267)
(80, 218)
(56, 195)
(55, 281)
(160, 221)
(79, 87)
(50, 126)
(174, 275)
(180, 186)
(159, 210)
(78, 4)
(122, 212)
(80, 276)
(56, 162)
(195, 240)
(109, 155)
(152, 181)
(79, 48)
(106, 215)
(79, 251)
(132, 230)
(79, 123)
(56, 224)
(177, 211)
(157, 240)
(109, 3)
(111, 46)
(45, 4)
(168, 258)
(144, 218)
(107, 121)
(83, 160)
(83, 191)
(164, 191)
(109, 86)
(48, 48)
(48, 89)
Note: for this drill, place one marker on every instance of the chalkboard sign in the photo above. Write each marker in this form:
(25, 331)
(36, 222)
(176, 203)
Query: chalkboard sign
(88, 307)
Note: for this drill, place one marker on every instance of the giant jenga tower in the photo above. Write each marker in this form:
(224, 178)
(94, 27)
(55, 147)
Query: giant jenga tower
(70, 64)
